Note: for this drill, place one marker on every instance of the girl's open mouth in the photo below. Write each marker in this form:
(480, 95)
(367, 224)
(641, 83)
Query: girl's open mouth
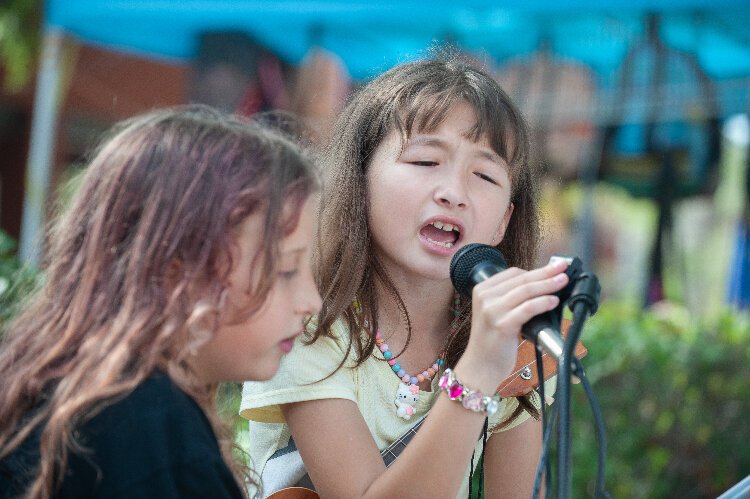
(441, 233)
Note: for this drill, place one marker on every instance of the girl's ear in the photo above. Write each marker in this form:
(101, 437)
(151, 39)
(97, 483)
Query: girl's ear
(498, 237)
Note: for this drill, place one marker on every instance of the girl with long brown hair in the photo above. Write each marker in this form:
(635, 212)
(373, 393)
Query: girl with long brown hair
(426, 158)
(182, 262)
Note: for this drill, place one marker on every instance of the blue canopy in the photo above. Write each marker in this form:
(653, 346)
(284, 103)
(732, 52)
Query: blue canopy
(370, 36)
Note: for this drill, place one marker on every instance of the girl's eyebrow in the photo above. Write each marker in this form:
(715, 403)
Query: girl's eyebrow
(427, 140)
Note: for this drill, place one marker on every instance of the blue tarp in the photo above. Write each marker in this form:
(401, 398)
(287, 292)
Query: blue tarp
(370, 36)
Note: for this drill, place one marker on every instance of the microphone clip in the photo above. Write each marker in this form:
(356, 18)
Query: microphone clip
(586, 290)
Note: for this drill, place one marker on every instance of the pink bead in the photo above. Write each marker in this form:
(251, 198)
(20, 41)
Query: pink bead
(420, 378)
(406, 379)
(473, 401)
(435, 367)
(431, 372)
(377, 335)
(443, 381)
(455, 390)
(384, 347)
(392, 362)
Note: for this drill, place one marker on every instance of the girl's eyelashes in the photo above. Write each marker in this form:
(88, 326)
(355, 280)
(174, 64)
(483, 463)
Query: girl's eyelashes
(288, 274)
(289, 266)
(481, 175)
(436, 162)
(486, 177)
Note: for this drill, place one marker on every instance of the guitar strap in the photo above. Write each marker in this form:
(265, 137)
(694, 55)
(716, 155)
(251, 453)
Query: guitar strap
(306, 482)
(389, 455)
(283, 469)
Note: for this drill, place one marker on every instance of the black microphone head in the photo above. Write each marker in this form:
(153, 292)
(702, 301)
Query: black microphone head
(466, 260)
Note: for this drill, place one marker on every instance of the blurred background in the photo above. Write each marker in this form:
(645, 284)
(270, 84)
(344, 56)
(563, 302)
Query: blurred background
(639, 112)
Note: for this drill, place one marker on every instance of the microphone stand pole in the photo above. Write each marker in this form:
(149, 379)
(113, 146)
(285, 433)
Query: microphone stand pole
(584, 300)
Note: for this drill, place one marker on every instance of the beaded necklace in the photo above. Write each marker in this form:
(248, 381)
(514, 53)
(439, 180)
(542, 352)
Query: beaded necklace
(407, 394)
(408, 391)
(400, 371)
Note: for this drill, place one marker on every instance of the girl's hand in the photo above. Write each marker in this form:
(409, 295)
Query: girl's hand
(501, 305)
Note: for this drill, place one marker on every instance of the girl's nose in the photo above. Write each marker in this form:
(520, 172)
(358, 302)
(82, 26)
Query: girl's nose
(451, 192)
(309, 300)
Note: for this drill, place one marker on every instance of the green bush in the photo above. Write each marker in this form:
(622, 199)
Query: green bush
(675, 397)
(16, 280)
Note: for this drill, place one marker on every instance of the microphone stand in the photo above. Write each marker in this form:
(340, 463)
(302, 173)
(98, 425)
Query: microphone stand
(583, 302)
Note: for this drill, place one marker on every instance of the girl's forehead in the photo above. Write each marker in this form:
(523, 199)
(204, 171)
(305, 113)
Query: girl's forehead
(432, 136)
(489, 121)
(476, 124)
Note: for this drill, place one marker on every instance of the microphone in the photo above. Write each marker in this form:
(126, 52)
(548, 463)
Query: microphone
(475, 263)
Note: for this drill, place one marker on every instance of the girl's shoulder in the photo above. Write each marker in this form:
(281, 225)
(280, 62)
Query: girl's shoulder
(156, 402)
(336, 338)
(311, 370)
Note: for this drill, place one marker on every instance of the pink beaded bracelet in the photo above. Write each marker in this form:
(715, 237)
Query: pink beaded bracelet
(471, 399)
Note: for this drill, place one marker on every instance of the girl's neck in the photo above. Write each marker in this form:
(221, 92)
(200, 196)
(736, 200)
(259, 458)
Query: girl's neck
(428, 306)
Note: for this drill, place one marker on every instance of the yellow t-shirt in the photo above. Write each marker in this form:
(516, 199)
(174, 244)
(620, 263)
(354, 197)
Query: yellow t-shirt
(372, 386)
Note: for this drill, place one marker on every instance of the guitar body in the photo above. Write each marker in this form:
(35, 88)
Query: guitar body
(294, 493)
(523, 379)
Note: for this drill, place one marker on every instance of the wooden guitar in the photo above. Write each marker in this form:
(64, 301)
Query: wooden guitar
(523, 380)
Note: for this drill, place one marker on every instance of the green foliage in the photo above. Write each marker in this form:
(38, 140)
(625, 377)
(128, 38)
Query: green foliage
(675, 399)
(16, 280)
(228, 405)
(19, 40)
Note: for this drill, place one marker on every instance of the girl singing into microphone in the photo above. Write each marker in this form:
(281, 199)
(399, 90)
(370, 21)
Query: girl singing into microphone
(426, 158)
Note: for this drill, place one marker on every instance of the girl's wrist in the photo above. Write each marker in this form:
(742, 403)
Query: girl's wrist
(476, 400)
(476, 378)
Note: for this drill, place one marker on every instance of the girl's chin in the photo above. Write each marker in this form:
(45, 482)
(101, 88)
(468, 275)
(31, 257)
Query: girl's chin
(264, 368)
(263, 374)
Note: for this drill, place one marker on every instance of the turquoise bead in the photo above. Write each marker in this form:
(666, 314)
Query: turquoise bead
(396, 367)
(387, 355)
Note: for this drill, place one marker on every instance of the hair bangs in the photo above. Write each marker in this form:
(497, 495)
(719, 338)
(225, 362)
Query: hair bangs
(505, 130)
(425, 109)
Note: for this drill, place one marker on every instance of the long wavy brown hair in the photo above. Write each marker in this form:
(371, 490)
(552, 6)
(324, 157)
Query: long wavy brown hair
(413, 97)
(143, 252)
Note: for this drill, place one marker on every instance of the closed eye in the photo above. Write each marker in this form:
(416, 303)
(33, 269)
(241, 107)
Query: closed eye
(288, 274)
(486, 177)
(424, 163)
